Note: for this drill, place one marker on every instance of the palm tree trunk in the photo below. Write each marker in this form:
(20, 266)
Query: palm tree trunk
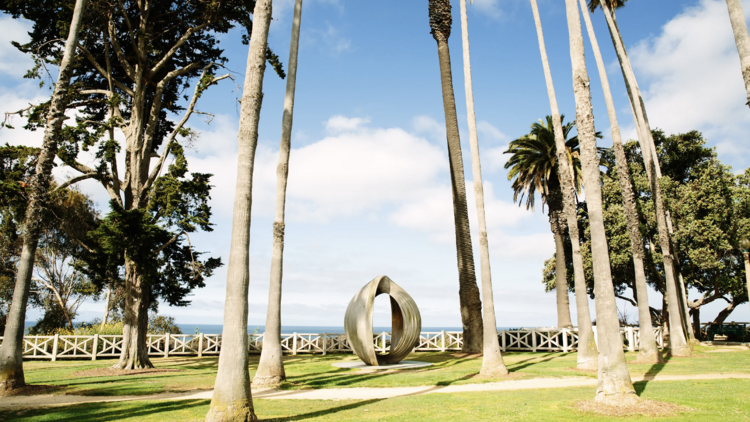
(677, 318)
(271, 366)
(471, 304)
(492, 360)
(587, 349)
(557, 225)
(742, 39)
(615, 386)
(11, 350)
(232, 399)
(648, 351)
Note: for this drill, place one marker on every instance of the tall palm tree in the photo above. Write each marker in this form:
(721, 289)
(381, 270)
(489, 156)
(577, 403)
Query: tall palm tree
(271, 366)
(648, 352)
(586, 342)
(534, 167)
(468, 291)
(615, 386)
(232, 399)
(679, 329)
(742, 39)
(11, 350)
(492, 358)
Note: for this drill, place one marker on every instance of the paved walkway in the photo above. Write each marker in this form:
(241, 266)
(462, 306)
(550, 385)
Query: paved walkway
(355, 393)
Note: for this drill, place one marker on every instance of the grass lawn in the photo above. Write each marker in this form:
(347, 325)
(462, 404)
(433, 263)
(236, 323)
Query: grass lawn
(315, 371)
(724, 400)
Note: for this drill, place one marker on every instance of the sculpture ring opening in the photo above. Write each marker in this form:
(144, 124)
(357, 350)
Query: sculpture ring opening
(406, 322)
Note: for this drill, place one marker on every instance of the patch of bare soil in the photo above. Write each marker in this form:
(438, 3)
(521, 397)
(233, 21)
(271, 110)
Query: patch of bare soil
(30, 390)
(466, 355)
(649, 408)
(112, 372)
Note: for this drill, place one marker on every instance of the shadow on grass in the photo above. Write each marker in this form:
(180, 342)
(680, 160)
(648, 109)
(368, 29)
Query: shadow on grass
(517, 366)
(325, 412)
(88, 413)
(640, 386)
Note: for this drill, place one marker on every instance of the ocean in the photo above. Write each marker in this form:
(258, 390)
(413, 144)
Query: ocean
(289, 329)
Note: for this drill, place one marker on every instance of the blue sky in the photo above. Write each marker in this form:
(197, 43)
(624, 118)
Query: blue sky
(369, 185)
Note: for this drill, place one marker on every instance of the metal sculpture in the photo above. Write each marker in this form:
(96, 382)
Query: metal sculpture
(406, 322)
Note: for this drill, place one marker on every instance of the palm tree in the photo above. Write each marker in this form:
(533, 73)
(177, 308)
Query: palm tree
(492, 359)
(232, 399)
(648, 352)
(533, 167)
(615, 386)
(742, 39)
(679, 328)
(586, 342)
(271, 366)
(468, 291)
(11, 350)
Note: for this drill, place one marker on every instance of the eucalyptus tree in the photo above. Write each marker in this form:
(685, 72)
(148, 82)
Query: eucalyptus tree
(271, 365)
(471, 305)
(676, 295)
(232, 399)
(11, 362)
(492, 359)
(648, 351)
(742, 39)
(587, 348)
(614, 386)
(534, 167)
(138, 59)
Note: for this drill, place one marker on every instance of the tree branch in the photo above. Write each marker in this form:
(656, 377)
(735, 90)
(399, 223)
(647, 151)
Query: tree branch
(103, 72)
(76, 180)
(118, 51)
(627, 299)
(164, 60)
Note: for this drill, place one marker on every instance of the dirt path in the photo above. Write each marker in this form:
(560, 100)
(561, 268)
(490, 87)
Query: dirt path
(354, 393)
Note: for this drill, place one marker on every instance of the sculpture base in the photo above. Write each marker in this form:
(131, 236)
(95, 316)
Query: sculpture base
(404, 364)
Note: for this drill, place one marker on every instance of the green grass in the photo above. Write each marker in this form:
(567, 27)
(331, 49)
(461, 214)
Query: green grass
(717, 400)
(308, 371)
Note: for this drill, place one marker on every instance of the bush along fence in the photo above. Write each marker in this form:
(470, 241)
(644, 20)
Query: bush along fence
(166, 345)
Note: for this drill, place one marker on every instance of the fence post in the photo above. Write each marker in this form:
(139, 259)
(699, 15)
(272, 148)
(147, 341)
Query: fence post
(504, 344)
(200, 345)
(325, 342)
(631, 339)
(565, 339)
(533, 339)
(382, 341)
(166, 345)
(294, 344)
(442, 341)
(54, 348)
(95, 346)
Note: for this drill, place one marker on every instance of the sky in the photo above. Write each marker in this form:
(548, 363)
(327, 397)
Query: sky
(369, 190)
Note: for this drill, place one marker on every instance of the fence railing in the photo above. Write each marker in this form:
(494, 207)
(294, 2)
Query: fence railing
(166, 345)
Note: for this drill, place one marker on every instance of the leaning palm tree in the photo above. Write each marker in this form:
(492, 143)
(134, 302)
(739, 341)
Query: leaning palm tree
(742, 39)
(615, 385)
(492, 358)
(648, 352)
(232, 399)
(586, 342)
(534, 168)
(271, 366)
(11, 360)
(468, 291)
(679, 328)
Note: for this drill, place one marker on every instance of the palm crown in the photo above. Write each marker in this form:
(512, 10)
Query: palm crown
(613, 4)
(533, 163)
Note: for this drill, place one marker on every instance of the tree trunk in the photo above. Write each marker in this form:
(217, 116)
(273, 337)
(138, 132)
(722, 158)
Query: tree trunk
(742, 39)
(648, 351)
(678, 338)
(232, 399)
(106, 306)
(11, 350)
(271, 366)
(746, 258)
(468, 291)
(554, 202)
(587, 350)
(696, 314)
(134, 353)
(492, 361)
(615, 386)
(726, 312)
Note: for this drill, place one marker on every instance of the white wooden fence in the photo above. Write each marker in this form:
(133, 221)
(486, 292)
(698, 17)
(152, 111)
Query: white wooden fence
(166, 345)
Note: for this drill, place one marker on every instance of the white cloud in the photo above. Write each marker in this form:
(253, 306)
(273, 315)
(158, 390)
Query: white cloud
(12, 61)
(341, 123)
(694, 79)
(429, 126)
(489, 131)
(488, 7)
